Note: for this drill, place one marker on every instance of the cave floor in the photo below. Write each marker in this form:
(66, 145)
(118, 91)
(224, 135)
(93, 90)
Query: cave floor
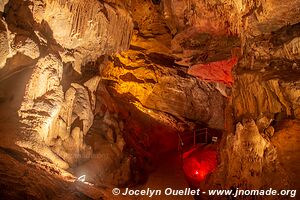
(169, 174)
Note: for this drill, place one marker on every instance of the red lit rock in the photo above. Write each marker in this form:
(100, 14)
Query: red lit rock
(198, 163)
(219, 71)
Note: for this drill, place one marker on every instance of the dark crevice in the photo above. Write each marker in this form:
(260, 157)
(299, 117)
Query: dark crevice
(136, 48)
(128, 77)
(285, 34)
(162, 59)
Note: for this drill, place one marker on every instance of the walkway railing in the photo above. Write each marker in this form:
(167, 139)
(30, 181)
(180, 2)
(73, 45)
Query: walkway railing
(199, 136)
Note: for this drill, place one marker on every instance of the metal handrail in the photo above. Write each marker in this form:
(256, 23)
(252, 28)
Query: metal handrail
(198, 132)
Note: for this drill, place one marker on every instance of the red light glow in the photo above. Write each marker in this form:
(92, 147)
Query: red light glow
(198, 163)
(219, 71)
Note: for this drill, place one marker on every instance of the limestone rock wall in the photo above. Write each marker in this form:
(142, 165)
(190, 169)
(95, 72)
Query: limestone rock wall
(267, 76)
(266, 89)
(249, 159)
(234, 16)
(43, 96)
(252, 157)
(58, 110)
(5, 43)
(265, 96)
(61, 26)
(87, 24)
(161, 87)
(62, 41)
(2, 5)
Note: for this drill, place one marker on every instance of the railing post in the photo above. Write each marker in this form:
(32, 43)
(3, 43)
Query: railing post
(194, 138)
(206, 135)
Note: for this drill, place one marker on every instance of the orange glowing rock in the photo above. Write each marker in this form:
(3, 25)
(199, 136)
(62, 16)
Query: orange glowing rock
(219, 71)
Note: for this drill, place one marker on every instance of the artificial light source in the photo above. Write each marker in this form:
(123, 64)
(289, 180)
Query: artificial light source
(199, 163)
(81, 178)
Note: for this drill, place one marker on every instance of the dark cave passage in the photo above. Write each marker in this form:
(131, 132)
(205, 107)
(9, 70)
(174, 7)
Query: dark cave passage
(163, 154)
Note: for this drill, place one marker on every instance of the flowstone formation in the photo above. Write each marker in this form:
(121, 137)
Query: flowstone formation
(59, 102)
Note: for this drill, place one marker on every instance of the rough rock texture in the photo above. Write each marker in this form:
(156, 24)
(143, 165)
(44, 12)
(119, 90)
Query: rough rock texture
(43, 95)
(230, 15)
(26, 46)
(177, 73)
(249, 147)
(88, 26)
(5, 49)
(267, 77)
(108, 164)
(249, 160)
(71, 125)
(266, 88)
(84, 24)
(286, 140)
(90, 29)
(192, 21)
(152, 86)
(215, 71)
(57, 113)
(41, 106)
(2, 5)
(19, 171)
(265, 94)
(272, 15)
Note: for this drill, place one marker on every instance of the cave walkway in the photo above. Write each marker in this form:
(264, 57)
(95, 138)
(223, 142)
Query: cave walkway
(169, 174)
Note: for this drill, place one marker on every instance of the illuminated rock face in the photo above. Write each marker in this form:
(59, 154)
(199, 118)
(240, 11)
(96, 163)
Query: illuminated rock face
(66, 136)
(2, 5)
(90, 25)
(162, 87)
(5, 41)
(249, 156)
(215, 71)
(198, 164)
(229, 16)
(92, 28)
(43, 96)
(188, 61)
(55, 120)
(270, 95)
(41, 106)
(267, 80)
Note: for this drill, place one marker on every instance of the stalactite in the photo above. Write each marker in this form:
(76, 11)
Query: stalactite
(88, 20)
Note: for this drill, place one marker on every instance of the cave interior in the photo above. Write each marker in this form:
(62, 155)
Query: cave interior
(138, 94)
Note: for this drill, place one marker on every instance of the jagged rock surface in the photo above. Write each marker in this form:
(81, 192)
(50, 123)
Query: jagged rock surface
(152, 86)
(108, 164)
(265, 95)
(5, 45)
(43, 96)
(93, 28)
(68, 130)
(56, 119)
(63, 41)
(267, 77)
(93, 25)
(249, 160)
